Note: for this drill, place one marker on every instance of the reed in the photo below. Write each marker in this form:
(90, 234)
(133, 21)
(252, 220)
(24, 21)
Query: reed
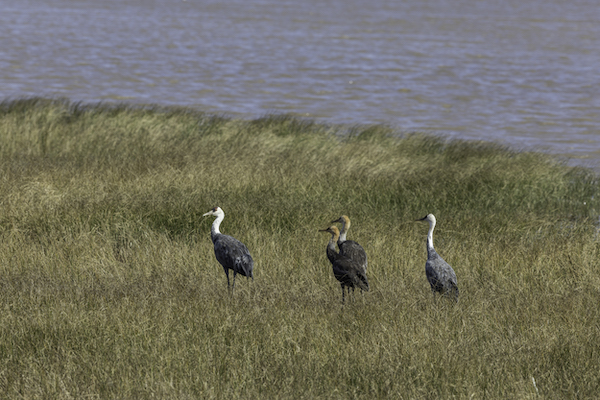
(109, 287)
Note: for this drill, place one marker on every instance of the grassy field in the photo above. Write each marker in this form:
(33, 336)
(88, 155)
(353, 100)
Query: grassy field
(109, 287)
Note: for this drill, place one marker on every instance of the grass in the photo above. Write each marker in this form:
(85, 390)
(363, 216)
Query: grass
(109, 287)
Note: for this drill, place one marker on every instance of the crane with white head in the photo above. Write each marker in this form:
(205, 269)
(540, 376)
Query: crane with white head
(439, 273)
(230, 252)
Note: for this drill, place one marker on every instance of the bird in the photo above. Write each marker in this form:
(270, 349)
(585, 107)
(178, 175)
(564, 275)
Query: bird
(230, 252)
(346, 270)
(439, 273)
(350, 248)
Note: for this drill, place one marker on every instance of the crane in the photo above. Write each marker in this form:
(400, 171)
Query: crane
(230, 252)
(350, 248)
(439, 273)
(347, 271)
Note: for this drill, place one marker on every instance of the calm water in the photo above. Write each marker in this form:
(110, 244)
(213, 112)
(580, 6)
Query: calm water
(521, 72)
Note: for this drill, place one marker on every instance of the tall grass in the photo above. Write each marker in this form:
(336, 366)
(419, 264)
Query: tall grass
(109, 287)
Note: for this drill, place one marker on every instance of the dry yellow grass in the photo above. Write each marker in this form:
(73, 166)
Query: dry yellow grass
(109, 287)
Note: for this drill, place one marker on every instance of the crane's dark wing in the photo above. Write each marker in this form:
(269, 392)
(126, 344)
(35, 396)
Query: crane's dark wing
(355, 251)
(362, 281)
(233, 254)
(350, 273)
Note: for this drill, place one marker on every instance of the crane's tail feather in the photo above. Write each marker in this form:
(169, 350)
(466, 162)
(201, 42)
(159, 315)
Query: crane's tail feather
(362, 282)
(454, 290)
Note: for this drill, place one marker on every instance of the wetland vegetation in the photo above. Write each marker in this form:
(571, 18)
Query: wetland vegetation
(109, 287)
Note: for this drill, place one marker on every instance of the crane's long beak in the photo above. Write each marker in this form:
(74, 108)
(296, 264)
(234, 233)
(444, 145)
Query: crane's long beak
(207, 214)
(421, 219)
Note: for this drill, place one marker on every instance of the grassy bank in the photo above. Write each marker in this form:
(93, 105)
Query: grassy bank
(109, 287)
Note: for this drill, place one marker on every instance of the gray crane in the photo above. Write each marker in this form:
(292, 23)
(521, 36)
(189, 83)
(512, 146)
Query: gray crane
(350, 248)
(439, 273)
(349, 272)
(230, 252)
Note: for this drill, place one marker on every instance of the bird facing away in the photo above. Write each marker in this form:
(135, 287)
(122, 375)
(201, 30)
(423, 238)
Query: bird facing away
(345, 270)
(230, 252)
(439, 273)
(350, 248)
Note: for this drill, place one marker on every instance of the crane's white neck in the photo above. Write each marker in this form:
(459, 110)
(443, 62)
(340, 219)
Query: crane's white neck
(430, 235)
(344, 231)
(214, 230)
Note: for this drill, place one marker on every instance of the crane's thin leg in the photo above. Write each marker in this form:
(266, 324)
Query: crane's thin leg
(343, 294)
(227, 275)
(233, 287)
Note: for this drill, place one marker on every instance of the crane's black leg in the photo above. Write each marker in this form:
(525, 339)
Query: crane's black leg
(343, 293)
(227, 275)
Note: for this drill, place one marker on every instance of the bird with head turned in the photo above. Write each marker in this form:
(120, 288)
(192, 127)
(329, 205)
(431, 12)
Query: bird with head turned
(439, 273)
(230, 252)
(347, 271)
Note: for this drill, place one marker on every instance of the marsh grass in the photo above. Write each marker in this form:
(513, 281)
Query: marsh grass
(109, 287)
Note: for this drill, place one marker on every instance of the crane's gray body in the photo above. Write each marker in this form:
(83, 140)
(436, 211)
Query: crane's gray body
(233, 254)
(355, 251)
(347, 271)
(440, 274)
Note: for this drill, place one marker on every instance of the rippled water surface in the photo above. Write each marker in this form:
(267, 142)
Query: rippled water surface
(524, 73)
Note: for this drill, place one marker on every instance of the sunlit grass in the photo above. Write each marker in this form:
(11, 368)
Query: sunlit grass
(109, 287)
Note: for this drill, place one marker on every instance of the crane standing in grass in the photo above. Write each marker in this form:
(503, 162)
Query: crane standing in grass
(230, 252)
(349, 272)
(350, 248)
(439, 273)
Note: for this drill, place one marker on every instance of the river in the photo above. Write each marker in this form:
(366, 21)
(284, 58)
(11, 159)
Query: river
(524, 73)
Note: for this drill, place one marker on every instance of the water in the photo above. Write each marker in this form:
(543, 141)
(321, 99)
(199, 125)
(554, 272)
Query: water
(524, 73)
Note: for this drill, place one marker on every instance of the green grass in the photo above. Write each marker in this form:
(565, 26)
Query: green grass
(109, 287)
